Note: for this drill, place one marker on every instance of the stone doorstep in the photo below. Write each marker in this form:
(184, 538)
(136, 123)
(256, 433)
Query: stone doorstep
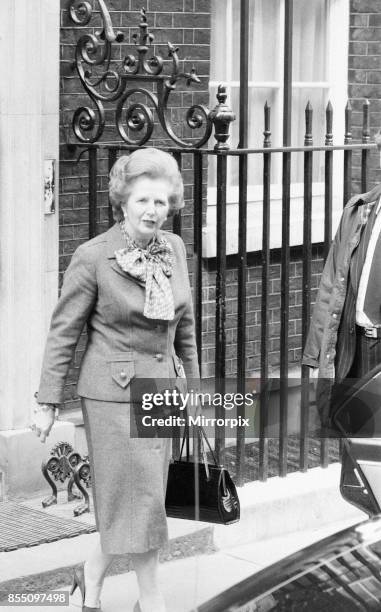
(278, 507)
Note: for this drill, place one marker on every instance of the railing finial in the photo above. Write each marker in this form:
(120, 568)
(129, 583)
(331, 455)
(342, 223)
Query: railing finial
(365, 122)
(308, 135)
(267, 130)
(221, 117)
(348, 120)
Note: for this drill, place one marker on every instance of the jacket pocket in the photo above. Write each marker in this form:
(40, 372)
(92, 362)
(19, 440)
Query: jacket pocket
(122, 368)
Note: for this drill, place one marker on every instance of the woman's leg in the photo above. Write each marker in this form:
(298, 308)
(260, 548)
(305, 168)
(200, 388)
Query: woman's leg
(146, 567)
(95, 568)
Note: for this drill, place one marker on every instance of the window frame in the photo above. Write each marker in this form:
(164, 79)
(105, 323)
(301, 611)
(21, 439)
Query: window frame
(336, 86)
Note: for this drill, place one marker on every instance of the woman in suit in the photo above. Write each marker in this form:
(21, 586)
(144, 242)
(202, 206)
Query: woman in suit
(130, 286)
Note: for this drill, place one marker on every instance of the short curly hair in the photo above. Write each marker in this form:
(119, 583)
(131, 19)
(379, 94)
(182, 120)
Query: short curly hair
(149, 162)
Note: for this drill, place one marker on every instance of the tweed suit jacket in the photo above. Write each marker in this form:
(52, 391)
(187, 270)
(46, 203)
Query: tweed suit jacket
(122, 343)
(331, 341)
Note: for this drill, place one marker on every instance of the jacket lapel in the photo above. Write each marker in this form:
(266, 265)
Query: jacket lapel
(116, 241)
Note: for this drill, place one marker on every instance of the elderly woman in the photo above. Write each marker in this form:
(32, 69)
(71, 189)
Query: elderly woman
(130, 286)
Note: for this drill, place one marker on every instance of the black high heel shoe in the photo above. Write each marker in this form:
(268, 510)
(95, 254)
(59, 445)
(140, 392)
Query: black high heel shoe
(79, 581)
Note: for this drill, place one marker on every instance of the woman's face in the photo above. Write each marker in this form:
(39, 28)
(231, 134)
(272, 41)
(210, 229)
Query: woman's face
(146, 208)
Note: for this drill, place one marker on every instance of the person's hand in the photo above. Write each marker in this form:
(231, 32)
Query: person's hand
(43, 420)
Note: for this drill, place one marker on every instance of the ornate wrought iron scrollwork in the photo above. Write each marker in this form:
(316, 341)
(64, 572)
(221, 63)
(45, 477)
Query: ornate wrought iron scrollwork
(92, 51)
(80, 12)
(136, 103)
(65, 463)
(82, 474)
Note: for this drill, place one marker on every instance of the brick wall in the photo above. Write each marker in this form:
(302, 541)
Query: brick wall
(364, 76)
(253, 306)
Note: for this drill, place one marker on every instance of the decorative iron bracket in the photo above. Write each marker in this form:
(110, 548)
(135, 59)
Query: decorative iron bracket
(65, 463)
(106, 84)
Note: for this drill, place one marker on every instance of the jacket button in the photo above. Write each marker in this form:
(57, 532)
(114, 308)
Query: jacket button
(123, 375)
(352, 330)
(334, 315)
(159, 356)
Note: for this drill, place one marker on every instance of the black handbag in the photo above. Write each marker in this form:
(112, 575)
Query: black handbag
(201, 491)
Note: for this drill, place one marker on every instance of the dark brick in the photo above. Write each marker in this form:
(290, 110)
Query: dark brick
(163, 20)
(365, 62)
(202, 6)
(119, 5)
(66, 233)
(358, 48)
(175, 36)
(357, 120)
(164, 6)
(365, 34)
(274, 345)
(202, 37)
(81, 231)
(359, 20)
(191, 20)
(66, 202)
(374, 76)
(365, 91)
(374, 48)
(71, 85)
(365, 6)
(357, 76)
(81, 200)
(131, 19)
(75, 216)
(188, 38)
(375, 20)
(68, 35)
(295, 283)
(195, 52)
(295, 312)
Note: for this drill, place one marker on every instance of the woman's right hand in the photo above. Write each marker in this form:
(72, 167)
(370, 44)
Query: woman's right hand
(43, 420)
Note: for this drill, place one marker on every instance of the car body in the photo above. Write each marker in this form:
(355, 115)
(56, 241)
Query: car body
(341, 573)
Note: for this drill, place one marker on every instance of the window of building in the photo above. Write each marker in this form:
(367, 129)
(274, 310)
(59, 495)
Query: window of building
(319, 74)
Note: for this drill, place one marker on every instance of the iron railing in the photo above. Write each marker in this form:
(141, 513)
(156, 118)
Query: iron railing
(263, 155)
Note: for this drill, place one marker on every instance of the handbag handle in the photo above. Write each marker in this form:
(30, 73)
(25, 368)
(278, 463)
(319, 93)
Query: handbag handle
(202, 438)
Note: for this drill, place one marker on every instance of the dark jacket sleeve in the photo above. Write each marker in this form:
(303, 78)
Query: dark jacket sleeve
(78, 296)
(312, 347)
(185, 337)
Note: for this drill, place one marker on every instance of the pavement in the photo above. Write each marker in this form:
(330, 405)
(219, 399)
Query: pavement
(277, 518)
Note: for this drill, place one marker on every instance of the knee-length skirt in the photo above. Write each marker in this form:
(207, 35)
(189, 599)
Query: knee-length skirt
(129, 479)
